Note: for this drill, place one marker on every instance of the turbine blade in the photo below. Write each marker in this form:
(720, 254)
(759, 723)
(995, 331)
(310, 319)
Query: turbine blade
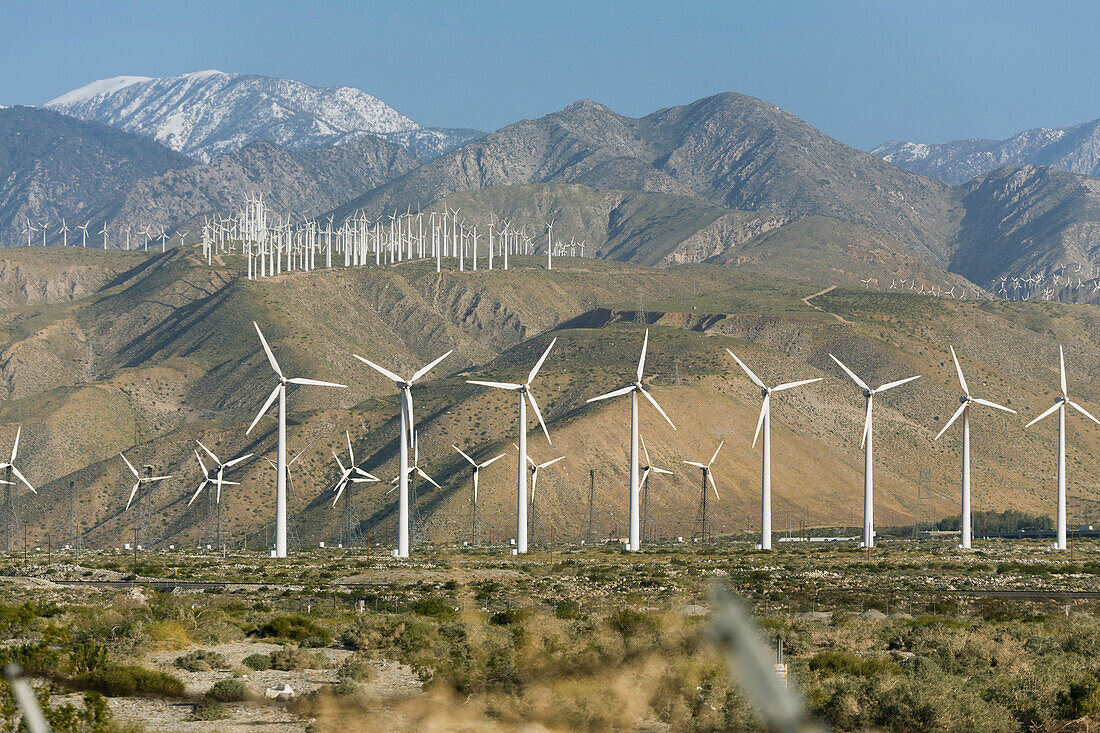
(381, 370)
(1050, 411)
(15, 445)
(351, 453)
(694, 463)
(715, 453)
(208, 452)
(534, 481)
(1061, 362)
(613, 393)
(952, 420)
(1083, 411)
(133, 491)
(197, 492)
(538, 365)
(159, 478)
(867, 420)
(367, 477)
(471, 461)
(339, 490)
(753, 377)
(475, 488)
(265, 408)
(132, 469)
(267, 350)
(315, 382)
(891, 385)
(339, 462)
(239, 459)
(551, 463)
(201, 464)
(850, 373)
(653, 402)
(962, 379)
(645, 451)
(660, 470)
(425, 369)
(987, 403)
(792, 385)
(710, 477)
(641, 359)
(492, 460)
(538, 414)
(760, 420)
(409, 406)
(427, 478)
(19, 475)
(495, 385)
(645, 475)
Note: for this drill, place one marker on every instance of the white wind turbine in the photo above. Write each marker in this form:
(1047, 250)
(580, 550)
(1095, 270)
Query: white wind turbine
(1060, 406)
(648, 468)
(866, 443)
(279, 393)
(83, 233)
(964, 410)
(360, 477)
(407, 433)
(765, 422)
(9, 465)
(477, 471)
(139, 479)
(524, 391)
(635, 486)
(414, 468)
(216, 476)
(708, 476)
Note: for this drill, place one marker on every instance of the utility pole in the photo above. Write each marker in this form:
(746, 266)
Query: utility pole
(591, 502)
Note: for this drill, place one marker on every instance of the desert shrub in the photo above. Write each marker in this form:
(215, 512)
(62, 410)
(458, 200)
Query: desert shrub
(629, 622)
(202, 660)
(839, 662)
(37, 658)
(258, 662)
(287, 659)
(126, 679)
(435, 607)
(208, 709)
(228, 690)
(356, 671)
(292, 626)
(510, 616)
(1081, 698)
(313, 642)
(87, 656)
(567, 610)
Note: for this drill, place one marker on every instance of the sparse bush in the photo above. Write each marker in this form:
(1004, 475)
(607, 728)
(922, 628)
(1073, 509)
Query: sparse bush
(208, 709)
(841, 662)
(124, 680)
(313, 642)
(202, 660)
(288, 659)
(228, 690)
(257, 662)
(293, 627)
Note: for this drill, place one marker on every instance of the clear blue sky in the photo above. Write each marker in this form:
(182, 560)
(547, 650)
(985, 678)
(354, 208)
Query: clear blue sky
(862, 72)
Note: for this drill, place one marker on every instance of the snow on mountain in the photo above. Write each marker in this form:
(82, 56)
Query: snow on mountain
(1073, 149)
(205, 114)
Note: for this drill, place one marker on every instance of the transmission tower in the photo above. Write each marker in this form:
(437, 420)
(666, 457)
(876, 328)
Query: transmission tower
(926, 509)
(699, 528)
(645, 513)
(639, 312)
(349, 521)
(591, 502)
(416, 521)
(72, 512)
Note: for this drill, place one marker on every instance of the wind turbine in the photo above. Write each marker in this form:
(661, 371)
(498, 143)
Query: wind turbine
(279, 393)
(534, 468)
(360, 477)
(646, 470)
(964, 410)
(765, 421)
(1060, 406)
(83, 233)
(634, 389)
(404, 386)
(524, 391)
(64, 234)
(477, 471)
(9, 465)
(215, 476)
(140, 479)
(865, 443)
(707, 476)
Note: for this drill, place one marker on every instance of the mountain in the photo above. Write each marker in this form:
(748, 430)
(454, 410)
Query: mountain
(729, 149)
(205, 114)
(1074, 149)
(1029, 220)
(305, 182)
(54, 166)
(163, 352)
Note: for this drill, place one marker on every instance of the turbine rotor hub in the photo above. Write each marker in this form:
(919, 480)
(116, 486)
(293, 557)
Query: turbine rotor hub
(867, 393)
(764, 392)
(964, 399)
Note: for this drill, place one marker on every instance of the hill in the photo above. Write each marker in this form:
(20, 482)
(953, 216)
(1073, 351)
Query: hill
(54, 166)
(164, 353)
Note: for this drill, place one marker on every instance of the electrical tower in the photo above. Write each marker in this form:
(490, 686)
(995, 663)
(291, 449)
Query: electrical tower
(639, 311)
(591, 503)
(926, 509)
(349, 521)
(699, 528)
(646, 529)
(72, 513)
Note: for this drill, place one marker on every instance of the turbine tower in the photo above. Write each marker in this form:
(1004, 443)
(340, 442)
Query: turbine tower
(1060, 406)
(866, 443)
(279, 393)
(964, 410)
(11, 514)
(404, 386)
(643, 487)
(764, 422)
(477, 470)
(634, 389)
(524, 392)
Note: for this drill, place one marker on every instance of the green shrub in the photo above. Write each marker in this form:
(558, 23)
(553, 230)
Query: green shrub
(434, 607)
(313, 642)
(258, 662)
(87, 656)
(228, 690)
(630, 622)
(207, 709)
(567, 610)
(838, 662)
(126, 679)
(294, 627)
(287, 659)
(510, 616)
(202, 660)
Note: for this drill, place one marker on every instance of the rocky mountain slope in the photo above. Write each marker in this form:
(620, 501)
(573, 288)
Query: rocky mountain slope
(54, 166)
(164, 354)
(205, 114)
(1075, 149)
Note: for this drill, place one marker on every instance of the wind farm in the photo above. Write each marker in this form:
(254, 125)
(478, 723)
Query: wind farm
(321, 418)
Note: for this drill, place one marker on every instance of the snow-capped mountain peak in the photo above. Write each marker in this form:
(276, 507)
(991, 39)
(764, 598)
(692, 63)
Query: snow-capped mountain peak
(205, 114)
